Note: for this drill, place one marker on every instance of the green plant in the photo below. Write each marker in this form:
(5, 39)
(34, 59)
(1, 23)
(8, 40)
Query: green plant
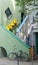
(23, 9)
(22, 4)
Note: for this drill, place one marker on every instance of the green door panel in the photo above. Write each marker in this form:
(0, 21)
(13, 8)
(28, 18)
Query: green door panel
(37, 43)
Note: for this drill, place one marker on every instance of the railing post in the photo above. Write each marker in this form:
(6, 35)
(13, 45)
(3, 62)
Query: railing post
(17, 59)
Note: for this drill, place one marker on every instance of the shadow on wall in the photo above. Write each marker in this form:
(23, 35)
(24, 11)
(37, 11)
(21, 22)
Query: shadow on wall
(3, 52)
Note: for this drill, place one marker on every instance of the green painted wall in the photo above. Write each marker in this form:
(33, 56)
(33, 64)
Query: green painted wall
(7, 39)
(4, 5)
(0, 11)
(11, 42)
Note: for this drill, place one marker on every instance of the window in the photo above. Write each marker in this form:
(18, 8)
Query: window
(36, 13)
(8, 12)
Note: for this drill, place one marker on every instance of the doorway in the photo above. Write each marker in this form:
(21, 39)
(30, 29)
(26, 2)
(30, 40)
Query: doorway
(3, 52)
(37, 43)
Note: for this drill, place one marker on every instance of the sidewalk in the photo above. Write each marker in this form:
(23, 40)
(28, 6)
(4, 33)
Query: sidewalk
(5, 61)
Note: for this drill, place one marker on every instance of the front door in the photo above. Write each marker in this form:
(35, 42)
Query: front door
(37, 43)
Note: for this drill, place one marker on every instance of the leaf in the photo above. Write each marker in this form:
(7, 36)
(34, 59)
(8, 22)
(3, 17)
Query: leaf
(22, 4)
